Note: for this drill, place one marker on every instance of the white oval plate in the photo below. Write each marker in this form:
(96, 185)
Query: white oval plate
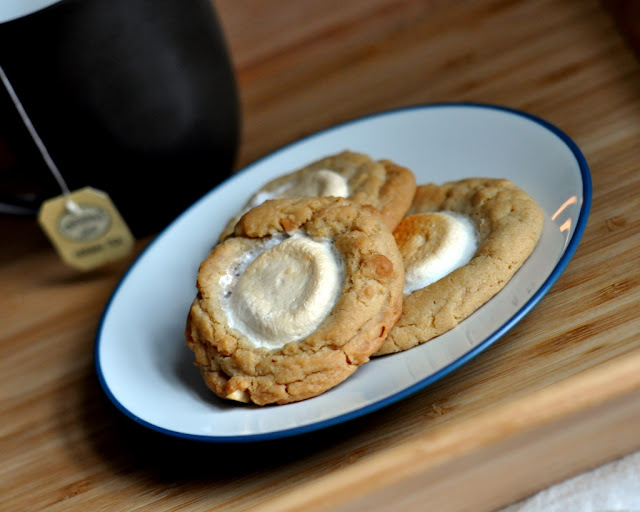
(142, 360)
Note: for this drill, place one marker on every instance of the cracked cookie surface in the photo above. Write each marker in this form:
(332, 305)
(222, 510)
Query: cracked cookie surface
(508, 224)
(383, 184)
(291, 304)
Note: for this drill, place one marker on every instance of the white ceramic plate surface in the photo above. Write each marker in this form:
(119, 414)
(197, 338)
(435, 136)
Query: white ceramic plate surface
(145, 367)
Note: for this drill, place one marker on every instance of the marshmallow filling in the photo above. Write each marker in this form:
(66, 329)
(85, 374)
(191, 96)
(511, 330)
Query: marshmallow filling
(283, 289)
(321, 183)
(434, 257)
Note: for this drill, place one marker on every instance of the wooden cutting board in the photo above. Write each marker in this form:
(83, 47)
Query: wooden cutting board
(558, 394)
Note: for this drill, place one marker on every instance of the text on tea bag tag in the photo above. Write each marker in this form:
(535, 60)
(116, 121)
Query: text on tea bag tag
(85, 228)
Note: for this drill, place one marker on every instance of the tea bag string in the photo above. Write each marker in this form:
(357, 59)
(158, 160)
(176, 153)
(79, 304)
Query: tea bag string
(71, 206)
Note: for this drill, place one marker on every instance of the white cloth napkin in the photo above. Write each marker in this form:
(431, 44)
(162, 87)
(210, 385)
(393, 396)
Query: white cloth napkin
(613, 487)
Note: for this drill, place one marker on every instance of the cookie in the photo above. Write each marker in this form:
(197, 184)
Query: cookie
(461, 243)
(290, 305)
(386, 186)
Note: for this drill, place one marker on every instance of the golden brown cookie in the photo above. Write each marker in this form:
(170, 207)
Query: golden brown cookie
(504, 224)
(386, 186)
(291, 304)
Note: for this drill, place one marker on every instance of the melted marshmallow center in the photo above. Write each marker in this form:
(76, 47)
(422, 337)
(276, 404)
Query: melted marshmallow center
(321, 183)
(442, 242)
(284, 291)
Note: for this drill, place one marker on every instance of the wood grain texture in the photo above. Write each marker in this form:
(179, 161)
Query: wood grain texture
(565, 372)
(486, 456)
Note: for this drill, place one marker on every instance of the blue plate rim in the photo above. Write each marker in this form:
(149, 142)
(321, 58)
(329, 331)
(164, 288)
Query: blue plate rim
(451, 367)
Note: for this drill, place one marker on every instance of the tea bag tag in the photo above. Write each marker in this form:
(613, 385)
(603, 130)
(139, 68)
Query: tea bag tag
(85, 228)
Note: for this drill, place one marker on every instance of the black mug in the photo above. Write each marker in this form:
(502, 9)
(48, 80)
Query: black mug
(134, 97)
